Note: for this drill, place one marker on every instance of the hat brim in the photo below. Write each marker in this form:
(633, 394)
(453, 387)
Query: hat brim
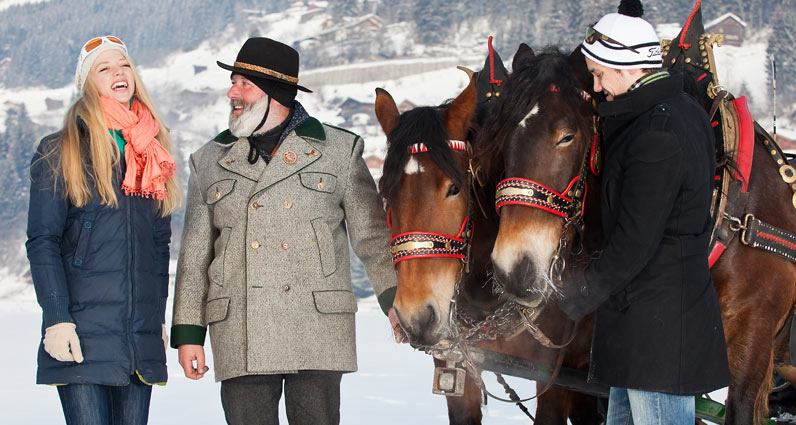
(251, 73)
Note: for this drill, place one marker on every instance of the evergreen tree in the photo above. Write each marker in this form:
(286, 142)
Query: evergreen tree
(782, 47)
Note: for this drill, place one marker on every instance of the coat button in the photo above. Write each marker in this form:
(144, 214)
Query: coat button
(228, 161)
(218, 195)
(78, 261)
(584, 290)
(285, 288)
(255, 244)
(87, 225)
(255, 205)
(287, 204)
(320, 186)
(284, 245)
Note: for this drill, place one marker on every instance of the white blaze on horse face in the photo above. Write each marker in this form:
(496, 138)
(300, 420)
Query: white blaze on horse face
(413, 166)
(534, 111)
(538, 245)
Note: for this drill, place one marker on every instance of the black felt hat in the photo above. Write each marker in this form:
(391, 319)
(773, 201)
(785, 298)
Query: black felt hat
(267, 59)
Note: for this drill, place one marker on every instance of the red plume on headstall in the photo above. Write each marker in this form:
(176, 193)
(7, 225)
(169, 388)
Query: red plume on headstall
(490, 78)
(686, 47)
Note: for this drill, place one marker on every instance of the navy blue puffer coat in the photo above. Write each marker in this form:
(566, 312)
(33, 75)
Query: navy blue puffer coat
(104, 269)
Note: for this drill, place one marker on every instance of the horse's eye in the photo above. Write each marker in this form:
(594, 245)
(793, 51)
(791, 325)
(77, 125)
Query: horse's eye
(566, 140)
(453, 190)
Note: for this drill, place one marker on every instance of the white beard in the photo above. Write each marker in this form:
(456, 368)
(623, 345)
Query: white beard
(245, 124)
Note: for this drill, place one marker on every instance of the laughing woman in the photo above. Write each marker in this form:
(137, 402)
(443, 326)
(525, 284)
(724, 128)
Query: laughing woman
(99, 226)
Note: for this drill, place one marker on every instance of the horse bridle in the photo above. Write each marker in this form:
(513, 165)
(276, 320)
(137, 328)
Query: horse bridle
(568, 204)
(419, 244)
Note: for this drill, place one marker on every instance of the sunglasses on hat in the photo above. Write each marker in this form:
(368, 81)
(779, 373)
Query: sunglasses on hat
(99, 41)
(593, 35)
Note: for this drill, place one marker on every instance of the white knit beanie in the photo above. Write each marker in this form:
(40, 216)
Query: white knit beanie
(634, 34)
(95, 46)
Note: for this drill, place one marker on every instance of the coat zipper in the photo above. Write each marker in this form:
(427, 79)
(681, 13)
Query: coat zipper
(130, 263)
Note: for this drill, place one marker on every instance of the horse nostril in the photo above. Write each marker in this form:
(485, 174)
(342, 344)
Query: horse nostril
(431, 319)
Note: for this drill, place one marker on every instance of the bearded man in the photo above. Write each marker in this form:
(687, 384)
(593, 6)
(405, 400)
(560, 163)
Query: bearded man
(264, 263)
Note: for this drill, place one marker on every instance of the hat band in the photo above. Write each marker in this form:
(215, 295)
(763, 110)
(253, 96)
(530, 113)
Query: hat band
(267, 71)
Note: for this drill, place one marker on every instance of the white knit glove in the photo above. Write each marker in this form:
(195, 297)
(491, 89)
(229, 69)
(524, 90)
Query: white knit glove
(61, 342)
(165, 337)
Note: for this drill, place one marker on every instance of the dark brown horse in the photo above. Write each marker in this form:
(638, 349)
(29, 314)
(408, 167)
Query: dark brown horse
(427, 191)
(756, 289)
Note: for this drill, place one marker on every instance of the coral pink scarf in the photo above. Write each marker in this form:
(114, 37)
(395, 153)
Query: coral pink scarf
(148, 163)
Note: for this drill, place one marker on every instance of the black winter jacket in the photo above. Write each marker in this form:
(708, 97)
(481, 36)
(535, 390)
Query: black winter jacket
(658, 325)
(104, 269)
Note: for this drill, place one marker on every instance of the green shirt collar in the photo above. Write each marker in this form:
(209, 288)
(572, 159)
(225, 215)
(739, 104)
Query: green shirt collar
(648, 78)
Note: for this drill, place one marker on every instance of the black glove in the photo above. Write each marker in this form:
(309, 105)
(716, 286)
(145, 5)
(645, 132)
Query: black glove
(574, 299)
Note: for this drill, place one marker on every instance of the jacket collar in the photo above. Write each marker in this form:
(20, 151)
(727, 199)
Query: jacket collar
(626, 107)
(299, 141)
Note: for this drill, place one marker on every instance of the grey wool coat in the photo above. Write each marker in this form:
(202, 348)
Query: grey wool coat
(264, 260)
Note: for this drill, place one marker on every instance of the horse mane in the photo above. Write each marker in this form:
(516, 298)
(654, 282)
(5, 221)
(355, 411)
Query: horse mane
(420, 125)
(526, 84)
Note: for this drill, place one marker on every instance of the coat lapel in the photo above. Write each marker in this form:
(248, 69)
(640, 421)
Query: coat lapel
(236, 161)
(293, 154)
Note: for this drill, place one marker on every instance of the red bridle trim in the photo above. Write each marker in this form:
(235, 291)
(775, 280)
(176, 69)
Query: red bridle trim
(442, 245)
(531, 199)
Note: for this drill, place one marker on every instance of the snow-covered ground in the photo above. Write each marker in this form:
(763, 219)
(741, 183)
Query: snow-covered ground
(392, 386)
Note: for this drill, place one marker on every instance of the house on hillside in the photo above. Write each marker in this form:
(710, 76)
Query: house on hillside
(353, 110)
(786, 144)
(733, 28)
(53, 104)
(374, 163)
(359, 27)
(406, 106)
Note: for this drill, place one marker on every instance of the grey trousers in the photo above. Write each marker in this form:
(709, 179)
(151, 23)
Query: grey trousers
(311, 398)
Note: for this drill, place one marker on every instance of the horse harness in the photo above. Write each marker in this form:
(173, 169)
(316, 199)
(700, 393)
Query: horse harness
(410, 245)
(509, 319)
(568, 204)
(731, 196)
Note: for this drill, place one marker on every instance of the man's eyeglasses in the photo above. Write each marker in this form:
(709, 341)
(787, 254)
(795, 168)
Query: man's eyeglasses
(593, 35)
(96, 42)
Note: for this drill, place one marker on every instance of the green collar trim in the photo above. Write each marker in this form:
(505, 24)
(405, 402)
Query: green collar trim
(225, 137)
(649, 78)
(311, 128)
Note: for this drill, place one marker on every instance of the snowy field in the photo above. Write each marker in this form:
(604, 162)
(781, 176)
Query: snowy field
(392, 386)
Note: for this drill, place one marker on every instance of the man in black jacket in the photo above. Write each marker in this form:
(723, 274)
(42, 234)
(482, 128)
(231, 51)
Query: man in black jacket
(658, 338)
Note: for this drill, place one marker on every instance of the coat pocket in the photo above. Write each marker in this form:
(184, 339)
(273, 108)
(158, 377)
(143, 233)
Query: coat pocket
(219, 190)
(321, 182)
(325, 246)
(216, 310)
(339, 301)
(81, 247)
(216, 269)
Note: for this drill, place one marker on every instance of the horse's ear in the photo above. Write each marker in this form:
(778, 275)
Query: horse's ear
(577, 64)
(386, 111)
(524, 53)
(460, 113)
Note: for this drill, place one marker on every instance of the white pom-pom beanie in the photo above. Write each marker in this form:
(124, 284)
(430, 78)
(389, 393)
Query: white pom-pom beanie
(632, 34)
(89, 52)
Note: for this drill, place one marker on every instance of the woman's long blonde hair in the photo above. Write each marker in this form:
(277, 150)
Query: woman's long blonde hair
(103, 154)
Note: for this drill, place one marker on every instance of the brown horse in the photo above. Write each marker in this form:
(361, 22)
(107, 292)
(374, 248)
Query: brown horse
(428, 191)
(756, 289)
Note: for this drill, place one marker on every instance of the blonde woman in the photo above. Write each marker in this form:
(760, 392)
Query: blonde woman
(102, 191)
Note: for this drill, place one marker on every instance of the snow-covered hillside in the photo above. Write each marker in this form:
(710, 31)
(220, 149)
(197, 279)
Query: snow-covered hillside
(190, 90)
(5, 4)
